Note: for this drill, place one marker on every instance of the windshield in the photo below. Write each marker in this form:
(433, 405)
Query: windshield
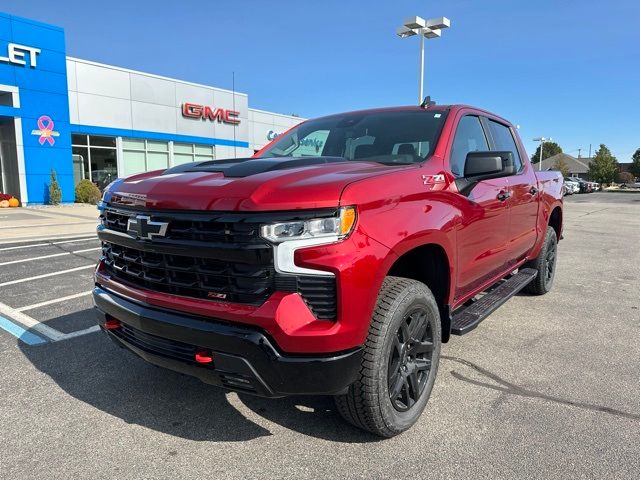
(392, 137)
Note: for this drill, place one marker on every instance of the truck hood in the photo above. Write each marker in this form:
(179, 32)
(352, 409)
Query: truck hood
(252, 184)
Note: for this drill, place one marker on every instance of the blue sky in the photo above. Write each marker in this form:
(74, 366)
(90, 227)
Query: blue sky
(566, 69)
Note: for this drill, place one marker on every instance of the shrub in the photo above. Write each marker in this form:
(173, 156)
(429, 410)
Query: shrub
(626, 177)
(87, 192)
(55, 194)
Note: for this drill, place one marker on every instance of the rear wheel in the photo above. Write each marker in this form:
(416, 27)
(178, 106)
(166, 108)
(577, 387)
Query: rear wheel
(545, 265)
(400, 360)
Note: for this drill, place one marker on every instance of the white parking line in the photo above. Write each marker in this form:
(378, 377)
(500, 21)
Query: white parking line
(42, 257)
(41, 225)
(83, 239)
(51, 302)
(31, 323)
(38, 277)
(51, 333)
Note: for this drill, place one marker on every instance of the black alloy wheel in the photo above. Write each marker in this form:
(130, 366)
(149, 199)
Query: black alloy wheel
(410, 360)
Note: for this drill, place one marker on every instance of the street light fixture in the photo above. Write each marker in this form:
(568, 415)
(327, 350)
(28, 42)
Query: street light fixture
(541, 140)
(431, 28)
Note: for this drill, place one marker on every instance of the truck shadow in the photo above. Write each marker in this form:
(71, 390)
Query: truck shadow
(93, 370)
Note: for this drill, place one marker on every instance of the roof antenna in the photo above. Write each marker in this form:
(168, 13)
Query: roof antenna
(427, 102)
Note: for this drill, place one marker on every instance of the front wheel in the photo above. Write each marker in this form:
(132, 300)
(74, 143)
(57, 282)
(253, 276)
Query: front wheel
(545, 265)
(400, 360)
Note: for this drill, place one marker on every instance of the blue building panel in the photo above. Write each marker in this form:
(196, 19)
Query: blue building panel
(44, 104)
(42, 81)
(47, 133)
(5, 27)
(36, 34)
(39, 161)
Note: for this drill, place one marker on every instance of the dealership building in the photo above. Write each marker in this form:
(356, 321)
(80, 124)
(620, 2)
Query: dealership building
(87, 120)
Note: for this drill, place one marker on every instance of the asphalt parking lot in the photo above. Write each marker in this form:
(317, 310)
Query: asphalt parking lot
(546, 387)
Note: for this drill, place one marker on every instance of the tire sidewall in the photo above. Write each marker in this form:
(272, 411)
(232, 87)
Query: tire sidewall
(395, 420)
(550, 242)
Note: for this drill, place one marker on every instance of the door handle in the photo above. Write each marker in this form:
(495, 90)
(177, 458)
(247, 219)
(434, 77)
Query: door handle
(502, 196)
(533, 190)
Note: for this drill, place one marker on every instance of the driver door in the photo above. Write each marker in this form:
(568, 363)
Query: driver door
(483, 231)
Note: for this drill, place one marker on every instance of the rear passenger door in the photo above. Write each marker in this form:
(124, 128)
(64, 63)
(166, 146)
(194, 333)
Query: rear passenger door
(523, 202)
(482, 233)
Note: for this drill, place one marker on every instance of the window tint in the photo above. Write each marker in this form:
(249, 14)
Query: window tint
(504, 142)
(469, 138)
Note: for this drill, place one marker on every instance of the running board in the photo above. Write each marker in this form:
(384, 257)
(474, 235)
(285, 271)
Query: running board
(467, 318)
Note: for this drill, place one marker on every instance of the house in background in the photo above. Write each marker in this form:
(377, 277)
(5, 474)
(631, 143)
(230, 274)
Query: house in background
(578, 167)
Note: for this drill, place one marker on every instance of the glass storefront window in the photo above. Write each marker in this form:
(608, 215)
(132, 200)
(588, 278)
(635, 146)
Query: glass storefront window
(79, 139)
(204, 150)
(132, 144)
(94, 158)
(144, 155)
(96, 141)
(187, 152)
(104, 168)
(182, 148)
(80, 163)
(157, 146)
(132, 162)
(156, 160)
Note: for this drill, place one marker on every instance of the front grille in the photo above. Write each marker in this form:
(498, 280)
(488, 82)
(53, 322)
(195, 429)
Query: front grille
(215, 256)
(190, 276)
(192, 227)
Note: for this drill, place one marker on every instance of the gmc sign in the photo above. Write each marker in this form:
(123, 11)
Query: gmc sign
(194, 110)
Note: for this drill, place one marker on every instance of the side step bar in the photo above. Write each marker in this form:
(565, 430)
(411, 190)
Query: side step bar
(467, 318)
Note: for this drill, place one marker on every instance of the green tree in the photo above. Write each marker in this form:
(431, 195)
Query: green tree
(635, 163)
(562, 166)
(55, 194)
(549, 150)
(604, 166)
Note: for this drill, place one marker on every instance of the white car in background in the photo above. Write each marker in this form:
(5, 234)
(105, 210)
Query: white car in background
(571, 187)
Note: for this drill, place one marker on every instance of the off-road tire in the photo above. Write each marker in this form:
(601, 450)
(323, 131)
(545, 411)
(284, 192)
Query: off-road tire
(368, 404)
(545, 261)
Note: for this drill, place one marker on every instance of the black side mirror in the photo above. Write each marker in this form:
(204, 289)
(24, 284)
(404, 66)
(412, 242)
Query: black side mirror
(484, 165)
(480, 166)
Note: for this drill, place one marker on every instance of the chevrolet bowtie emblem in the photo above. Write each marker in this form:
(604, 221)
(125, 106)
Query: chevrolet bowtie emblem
(143, 227)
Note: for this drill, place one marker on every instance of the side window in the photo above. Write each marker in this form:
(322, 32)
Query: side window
(503, 139)
(469, 138)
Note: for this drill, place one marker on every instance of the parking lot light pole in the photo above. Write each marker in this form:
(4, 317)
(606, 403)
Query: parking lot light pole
(541, 140)
(424, 29)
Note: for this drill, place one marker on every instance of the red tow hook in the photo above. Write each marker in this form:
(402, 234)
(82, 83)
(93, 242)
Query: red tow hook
(112, 324)
(204, 356)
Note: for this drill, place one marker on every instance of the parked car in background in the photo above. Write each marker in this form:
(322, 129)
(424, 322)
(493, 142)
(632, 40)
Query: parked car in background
(585, 187)
(571, 187)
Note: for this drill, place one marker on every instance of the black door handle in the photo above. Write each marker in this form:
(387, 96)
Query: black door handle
(502, 196)
(533, 190)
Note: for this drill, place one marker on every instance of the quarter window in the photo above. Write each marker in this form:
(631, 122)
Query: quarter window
(504, 142)
(469, 138)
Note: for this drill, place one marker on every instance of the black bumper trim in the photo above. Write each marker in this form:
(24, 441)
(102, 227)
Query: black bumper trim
(245, 359)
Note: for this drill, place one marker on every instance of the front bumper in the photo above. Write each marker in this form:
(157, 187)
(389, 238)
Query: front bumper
(245, 359)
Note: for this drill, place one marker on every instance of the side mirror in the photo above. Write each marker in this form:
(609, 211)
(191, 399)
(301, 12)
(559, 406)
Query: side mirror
(484, 165)
(480, 166)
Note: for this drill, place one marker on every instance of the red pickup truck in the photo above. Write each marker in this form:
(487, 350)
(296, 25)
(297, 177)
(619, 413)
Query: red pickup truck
(336, 261)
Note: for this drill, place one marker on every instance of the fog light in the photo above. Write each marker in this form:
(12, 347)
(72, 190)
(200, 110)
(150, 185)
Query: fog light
(112, 324)
(204, 356)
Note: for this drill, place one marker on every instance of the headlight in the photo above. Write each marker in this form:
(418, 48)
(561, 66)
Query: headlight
(287, 237)
(339, 226)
